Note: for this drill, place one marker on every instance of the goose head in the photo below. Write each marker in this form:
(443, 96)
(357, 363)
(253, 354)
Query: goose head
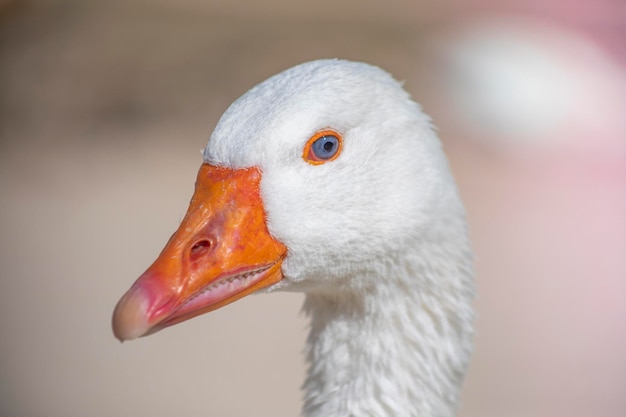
(326, 178)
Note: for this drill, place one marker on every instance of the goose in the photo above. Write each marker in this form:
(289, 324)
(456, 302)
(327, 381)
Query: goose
(328, 179)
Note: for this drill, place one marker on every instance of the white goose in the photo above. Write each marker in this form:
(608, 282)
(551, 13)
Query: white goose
(328, 179)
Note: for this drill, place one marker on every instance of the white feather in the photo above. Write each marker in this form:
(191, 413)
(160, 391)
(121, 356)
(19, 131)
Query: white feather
(376, 238)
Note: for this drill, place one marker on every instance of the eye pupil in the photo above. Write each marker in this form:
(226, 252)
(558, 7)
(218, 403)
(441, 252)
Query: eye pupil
(325, 147)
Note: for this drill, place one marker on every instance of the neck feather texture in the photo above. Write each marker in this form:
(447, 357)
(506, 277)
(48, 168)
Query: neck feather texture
(396, 347)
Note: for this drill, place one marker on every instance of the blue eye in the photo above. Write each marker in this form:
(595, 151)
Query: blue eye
(325, 147)
(322, 147)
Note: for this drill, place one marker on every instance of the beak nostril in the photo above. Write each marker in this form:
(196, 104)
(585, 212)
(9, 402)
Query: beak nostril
(200, 247)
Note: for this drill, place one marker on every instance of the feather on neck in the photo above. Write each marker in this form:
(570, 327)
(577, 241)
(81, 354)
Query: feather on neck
(398, 345)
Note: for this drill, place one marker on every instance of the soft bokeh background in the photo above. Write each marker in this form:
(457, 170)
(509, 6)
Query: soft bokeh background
(104, 106)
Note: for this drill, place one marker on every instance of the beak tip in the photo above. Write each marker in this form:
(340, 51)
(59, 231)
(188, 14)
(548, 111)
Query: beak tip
(129, 319)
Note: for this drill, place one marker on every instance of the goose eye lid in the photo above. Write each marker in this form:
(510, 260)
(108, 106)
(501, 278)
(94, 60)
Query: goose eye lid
(317, 151)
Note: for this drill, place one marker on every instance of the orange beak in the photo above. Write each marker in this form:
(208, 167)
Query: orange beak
(221, 252)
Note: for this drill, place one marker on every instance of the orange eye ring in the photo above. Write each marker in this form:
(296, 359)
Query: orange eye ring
(324, 146)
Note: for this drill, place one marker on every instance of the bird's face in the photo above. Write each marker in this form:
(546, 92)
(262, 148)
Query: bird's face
(309, 179)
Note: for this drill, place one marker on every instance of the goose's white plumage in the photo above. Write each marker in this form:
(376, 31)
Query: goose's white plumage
(376, 238)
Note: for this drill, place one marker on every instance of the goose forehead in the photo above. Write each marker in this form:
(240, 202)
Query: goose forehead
(277, 115)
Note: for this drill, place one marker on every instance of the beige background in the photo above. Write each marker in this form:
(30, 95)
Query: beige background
(104, 107)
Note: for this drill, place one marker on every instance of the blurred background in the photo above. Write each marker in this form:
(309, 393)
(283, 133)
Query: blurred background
(105, 105)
